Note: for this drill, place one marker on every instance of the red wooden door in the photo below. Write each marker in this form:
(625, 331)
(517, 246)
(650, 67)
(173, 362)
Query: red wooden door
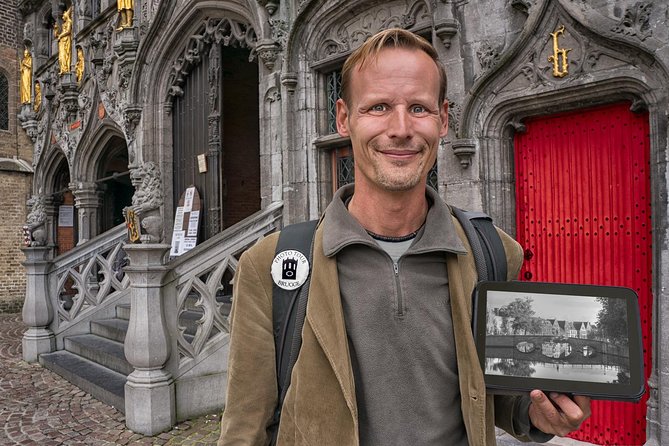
(583, 216)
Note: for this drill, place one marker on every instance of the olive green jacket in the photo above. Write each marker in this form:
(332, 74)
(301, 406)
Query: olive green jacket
(320, 406)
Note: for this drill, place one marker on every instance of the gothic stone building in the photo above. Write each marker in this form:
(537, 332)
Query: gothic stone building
(213, 121)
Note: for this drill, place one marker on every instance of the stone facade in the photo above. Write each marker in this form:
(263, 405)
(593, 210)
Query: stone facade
(497, 56)
(15, 169)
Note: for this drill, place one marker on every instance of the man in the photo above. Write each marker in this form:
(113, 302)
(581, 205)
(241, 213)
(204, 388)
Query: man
(388, 356)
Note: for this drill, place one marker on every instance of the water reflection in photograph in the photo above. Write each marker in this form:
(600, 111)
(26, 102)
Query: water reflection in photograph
(547, 370)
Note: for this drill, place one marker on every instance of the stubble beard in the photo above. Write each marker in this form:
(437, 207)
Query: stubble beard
(399, 177)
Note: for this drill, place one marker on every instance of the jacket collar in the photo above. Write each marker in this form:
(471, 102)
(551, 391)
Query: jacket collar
(341, 229)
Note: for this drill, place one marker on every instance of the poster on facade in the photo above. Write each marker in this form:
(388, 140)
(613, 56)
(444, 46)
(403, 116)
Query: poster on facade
(186, 222)
(576, 339)
(65, 216)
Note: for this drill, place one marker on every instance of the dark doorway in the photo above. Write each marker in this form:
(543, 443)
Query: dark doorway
(114, 182)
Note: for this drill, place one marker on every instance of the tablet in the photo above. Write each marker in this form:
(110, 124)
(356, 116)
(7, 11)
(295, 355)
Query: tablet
(574, 339)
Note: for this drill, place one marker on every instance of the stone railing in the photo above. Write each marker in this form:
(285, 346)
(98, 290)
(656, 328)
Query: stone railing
(63, 293)
(87, 277)
(178, 327)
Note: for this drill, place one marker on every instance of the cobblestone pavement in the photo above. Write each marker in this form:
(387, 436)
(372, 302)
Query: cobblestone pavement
(38, 407)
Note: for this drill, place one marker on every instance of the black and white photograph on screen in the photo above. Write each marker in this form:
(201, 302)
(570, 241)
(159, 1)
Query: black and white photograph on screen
(577, 338)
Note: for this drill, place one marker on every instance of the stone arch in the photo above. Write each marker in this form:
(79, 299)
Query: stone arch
(194, 31)
(52, 181)
(520, 85)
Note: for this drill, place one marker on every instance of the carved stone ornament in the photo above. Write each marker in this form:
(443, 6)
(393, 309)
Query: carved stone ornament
(148, 188)
(446, 30)
(289, 80)
(215, 31)
(464, 149)
(131, 117)
(268, 51)
(487, 56)
(454, 113)
(270, 5)
(521, 5)
(635, 22)
(35, 229)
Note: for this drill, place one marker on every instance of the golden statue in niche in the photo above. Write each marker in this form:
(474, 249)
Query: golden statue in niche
(64, 36)
(79, 67)
(26, 77)
(38, 97)
(125, 12)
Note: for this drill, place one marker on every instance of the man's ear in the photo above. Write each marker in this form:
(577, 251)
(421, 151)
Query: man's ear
(443, 112)
(342, 118)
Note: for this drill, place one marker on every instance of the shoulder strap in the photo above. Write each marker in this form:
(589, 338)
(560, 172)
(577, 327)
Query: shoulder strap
(487, 247)
(289, 309)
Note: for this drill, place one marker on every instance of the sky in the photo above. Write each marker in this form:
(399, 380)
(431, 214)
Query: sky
(552, 306)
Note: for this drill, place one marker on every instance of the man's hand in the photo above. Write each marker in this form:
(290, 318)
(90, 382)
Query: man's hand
(559, 414)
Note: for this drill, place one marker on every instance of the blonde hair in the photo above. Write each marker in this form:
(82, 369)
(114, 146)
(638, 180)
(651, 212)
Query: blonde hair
(390, 38)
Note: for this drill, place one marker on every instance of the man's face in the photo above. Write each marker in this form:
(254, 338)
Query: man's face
(394, 119)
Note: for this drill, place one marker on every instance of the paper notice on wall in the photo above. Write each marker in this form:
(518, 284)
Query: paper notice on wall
(177, 243)
(65, 216)
(179, 219)
(189, 243)
(193, 221)
(188, 199)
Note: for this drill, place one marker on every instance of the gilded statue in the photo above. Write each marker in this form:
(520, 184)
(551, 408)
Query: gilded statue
(79, 67)
(37, 105)
(26, 77)
(125, 12)
(64, 36)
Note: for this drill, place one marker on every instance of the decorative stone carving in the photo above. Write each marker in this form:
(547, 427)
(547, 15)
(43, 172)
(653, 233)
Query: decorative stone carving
(635, 22)
(464, 149)
(131, 117)
(153, 229)
(446, 30)
(225, 31)
(279, 31)
(268, 51)
(487, 56)
(148, 187)
(270, 5)
(35, 227)
(454, 113)
(289, 80)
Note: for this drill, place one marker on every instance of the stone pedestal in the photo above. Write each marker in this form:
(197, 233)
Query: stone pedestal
(88, 201)
(37, 310)
(149, 392)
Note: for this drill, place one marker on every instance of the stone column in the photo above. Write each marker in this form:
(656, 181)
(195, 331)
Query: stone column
(87, 199)
(37, 310)
(149, 392)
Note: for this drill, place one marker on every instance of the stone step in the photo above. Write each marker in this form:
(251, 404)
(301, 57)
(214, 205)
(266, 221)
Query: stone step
(123, 311)
(100, 350)
(102, 383)
(114, 329)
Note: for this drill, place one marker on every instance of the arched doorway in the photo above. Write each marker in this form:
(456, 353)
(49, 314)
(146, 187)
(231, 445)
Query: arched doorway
(114, 183)
(215, 125)
(63, 199)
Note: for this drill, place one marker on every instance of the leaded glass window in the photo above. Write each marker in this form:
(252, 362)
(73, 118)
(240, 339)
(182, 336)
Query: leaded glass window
(333, 91)
(433, 177)
(4, 103)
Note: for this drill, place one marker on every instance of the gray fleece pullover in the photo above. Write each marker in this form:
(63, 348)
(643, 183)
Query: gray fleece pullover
(400, 333)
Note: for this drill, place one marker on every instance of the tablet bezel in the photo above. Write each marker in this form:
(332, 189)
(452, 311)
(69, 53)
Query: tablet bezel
(596, 390)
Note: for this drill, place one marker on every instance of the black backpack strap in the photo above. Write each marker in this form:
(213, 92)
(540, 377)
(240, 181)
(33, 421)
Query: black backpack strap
(487, 247)
(289, 309)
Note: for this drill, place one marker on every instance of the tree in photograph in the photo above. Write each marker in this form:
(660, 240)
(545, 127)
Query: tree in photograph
(612, 320)
(522, 313)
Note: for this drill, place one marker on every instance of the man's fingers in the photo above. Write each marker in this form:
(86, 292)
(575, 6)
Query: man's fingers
(558, 414)
(573, 412)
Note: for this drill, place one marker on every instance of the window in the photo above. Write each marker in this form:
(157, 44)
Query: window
(333, 92)
(4, 102)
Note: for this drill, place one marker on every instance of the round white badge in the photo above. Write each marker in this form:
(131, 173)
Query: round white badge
(290, 269)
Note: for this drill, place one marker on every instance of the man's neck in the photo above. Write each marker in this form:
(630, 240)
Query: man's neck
(393, 214)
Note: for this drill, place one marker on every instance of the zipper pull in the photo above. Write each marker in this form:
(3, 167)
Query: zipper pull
(396, 268)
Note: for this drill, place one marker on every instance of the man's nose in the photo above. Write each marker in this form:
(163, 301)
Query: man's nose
(400, 123)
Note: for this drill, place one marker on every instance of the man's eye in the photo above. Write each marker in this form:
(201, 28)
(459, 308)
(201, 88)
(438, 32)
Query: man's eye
(378, 108)
(418, 109)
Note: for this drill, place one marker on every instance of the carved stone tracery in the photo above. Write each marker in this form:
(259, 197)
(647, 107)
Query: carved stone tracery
(215, 31)
(636, 20)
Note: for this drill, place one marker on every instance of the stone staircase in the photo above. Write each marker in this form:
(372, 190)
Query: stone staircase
(95, 362)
